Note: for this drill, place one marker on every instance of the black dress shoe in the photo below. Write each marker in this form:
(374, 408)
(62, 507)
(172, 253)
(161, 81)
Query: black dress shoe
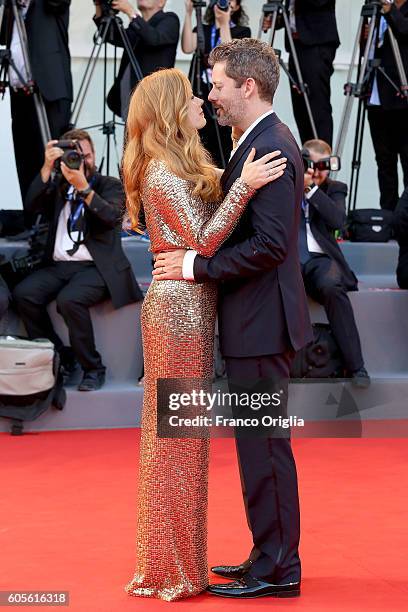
(360, 379)
(249, 587)
(92, 380)
(233, 572)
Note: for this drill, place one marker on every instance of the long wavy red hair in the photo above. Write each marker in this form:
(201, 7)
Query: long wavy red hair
(158, 128)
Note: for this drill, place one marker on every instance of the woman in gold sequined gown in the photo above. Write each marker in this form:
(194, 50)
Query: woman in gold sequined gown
(167, 171)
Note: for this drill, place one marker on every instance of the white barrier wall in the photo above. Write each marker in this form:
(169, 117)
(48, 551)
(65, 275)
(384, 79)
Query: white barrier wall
(81, 32)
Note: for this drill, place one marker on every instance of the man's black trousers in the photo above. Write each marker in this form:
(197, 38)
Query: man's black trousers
(324, 283)
(316, 64)
(389, 133)
(268, 475)
(75, 286)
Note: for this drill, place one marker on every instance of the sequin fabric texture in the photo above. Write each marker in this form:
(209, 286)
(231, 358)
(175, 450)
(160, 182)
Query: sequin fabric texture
(178, 319)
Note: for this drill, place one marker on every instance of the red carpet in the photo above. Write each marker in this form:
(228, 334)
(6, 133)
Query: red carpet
(67, 521)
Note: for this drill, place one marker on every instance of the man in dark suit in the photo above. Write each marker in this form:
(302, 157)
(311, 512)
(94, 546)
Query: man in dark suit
(153, 34)
(84, 261)
(325, 271)
(314, 32)
(46, 22)
(387, 111)
(401, 233)
(263, 313)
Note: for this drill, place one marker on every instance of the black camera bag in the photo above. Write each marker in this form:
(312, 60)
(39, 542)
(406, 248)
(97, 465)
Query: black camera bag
(321, 358)
(370, 225)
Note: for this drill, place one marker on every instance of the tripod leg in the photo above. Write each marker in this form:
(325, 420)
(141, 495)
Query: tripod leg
(361, 59)
(39, 103)
(89, 71)
(357, 155)
(301, 84)
(129, 50)
(399, 63)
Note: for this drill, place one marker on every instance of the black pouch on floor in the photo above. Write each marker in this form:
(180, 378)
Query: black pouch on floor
(321, 358)
(370, 225)
(30, 380)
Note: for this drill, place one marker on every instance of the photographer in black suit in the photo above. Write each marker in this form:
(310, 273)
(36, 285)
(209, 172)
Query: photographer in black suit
(153, 34)
(314, 32)
(325, 272)
(387, 111)
(46, 22)
(401, 233)
(84, 262)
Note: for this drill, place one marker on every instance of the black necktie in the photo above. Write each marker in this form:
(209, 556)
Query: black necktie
(304, 253)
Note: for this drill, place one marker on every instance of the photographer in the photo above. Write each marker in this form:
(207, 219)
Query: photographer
(84, 262)
(387, 111)
(219, 26)
(46, 22)
(315, 35)
(153, 35)
(325, 272)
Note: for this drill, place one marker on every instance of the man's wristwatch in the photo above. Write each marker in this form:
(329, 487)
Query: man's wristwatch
(310, 187)
(84, 193)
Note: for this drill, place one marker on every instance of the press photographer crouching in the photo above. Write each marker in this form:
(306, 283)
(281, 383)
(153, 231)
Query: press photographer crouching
(325, 272)
(84, 261)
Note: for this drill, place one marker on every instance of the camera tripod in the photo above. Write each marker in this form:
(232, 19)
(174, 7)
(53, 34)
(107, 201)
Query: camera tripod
(10, 15)
(198, 74)
(110, 26)
(276, 9)
(367, 68)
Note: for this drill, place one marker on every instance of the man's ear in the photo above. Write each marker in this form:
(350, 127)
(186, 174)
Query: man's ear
(250, 87)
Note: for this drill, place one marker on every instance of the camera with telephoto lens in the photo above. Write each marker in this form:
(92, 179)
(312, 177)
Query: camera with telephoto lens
(331, 163)
(106, 6)
(223, 5)
(72, 157)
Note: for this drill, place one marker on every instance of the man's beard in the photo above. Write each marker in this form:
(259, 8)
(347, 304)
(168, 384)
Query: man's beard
(232, 115)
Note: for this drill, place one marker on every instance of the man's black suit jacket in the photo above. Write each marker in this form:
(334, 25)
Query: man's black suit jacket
(47, 33)
(397, 20)
(316, 22)
(262, 304)
(154, 43)
(327, 212)
(103, 242)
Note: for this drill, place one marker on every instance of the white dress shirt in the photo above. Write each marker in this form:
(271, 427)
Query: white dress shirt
(189, 257)
(292, 16)
(63, 242)
(312, 245)
(17, 52)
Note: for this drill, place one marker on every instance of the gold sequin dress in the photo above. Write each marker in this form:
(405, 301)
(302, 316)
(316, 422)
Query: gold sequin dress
(178, 319)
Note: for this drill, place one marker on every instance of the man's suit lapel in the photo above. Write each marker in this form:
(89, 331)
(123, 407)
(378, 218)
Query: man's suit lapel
(244, 148)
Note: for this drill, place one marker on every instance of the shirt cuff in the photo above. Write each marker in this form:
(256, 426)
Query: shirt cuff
(188, 265)
(311, 193)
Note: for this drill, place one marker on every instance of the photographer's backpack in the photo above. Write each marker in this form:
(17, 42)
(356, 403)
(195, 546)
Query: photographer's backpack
(30, 380)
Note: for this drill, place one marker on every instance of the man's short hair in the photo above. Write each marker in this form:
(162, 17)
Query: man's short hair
(248, 58)
(319, 146)
(78, 135)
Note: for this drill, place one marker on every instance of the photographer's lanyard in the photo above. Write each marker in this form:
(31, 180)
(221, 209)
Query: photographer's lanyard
(76, 221)
(214, 41)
